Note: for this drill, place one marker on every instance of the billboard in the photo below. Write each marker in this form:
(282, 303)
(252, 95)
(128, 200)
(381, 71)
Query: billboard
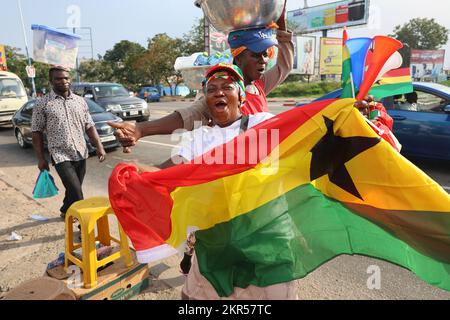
(329, 16)
(427, 64)
(330, 56)
(304, 53)
(218, 41)
(3, 65)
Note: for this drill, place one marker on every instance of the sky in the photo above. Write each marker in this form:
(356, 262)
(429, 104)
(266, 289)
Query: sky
(138, 20)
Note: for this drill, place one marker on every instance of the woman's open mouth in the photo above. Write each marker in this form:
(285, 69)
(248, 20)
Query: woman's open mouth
(220, 105)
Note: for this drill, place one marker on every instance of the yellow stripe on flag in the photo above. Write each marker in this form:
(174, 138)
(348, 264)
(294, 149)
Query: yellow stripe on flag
(395, 80)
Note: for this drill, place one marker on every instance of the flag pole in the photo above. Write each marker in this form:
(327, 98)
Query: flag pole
(33, 94)
(353, 85)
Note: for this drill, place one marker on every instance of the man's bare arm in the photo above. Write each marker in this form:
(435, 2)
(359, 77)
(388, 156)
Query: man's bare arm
(129, 133)
(38, 146)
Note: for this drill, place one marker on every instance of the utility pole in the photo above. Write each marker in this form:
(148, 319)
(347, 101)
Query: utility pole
(323, 77)
(77, 61)
(33, 94)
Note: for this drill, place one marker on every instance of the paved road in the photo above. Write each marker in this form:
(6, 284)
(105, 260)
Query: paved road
(345, 277)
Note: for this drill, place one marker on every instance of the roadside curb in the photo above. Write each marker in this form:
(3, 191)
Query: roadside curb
(281, 100)
(290, 104)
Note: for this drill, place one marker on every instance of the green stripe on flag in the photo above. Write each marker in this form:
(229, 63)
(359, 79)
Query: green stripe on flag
(346, 71)
(294, 234)
(387, 90)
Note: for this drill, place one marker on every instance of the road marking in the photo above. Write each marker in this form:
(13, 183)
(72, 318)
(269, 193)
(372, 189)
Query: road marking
(120, 159)
(161, 112)
(160, 144)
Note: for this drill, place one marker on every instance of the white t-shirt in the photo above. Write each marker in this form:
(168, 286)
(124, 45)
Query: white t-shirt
(197, 142)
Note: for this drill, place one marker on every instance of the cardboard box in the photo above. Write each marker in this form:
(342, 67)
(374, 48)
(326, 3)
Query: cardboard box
(115, 282)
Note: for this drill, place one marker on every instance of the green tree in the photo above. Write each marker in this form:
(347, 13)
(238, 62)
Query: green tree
(194, 40)
(157, 64)
(121, 58)
(17, 63)
(421, 34)
(96, 71)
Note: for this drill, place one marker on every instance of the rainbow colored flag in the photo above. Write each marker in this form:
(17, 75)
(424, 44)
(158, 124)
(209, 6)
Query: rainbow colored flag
(325, 185)
(394, 82)
(347, 85)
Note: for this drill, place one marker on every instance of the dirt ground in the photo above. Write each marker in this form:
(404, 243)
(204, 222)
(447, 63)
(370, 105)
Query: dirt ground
(41, 243)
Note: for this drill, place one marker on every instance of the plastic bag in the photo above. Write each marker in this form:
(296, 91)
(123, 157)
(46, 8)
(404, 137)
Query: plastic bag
(45, 186)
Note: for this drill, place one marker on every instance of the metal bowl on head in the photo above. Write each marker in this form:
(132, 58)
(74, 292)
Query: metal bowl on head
(230, 15)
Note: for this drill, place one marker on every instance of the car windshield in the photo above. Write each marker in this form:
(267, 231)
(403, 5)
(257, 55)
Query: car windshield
(93, 107)
(11, 88)
(115, 90)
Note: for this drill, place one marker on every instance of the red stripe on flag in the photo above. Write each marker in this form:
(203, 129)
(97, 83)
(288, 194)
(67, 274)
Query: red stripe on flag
(397, 73)
(193, 174)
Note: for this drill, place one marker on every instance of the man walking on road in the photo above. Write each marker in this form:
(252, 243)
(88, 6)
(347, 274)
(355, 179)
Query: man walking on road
(65, 118)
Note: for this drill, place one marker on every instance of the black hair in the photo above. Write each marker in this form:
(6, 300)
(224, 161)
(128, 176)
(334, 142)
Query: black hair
(55, 69)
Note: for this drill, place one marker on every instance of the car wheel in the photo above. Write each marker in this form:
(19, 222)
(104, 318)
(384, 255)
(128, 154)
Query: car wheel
(21, 140)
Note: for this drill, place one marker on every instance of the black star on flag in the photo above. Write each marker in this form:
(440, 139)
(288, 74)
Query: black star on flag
(332, 152)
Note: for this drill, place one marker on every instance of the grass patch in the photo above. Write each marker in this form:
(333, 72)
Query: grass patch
(445, 83)
(302, 90)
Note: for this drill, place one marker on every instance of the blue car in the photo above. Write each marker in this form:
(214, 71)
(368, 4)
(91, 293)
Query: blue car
(149, 94)
(423, 127)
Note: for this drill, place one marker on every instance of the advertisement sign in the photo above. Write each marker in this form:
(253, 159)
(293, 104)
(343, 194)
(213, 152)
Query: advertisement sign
(3, 65)
(31, 71)
(304, 53)
(330, 56)
(329, 16)
(218, 41)
(427, 64)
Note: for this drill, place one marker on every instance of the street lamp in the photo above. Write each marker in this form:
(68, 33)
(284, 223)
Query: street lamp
(26, 47)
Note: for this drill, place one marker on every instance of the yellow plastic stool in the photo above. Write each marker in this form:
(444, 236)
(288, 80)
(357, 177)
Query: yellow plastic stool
(91, 212)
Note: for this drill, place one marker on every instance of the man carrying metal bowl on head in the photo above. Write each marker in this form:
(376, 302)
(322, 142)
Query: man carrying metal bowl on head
(251, 49)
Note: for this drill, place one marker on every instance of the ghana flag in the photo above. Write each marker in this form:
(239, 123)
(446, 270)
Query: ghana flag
(330, 186)
(392, 83)
(347, 85)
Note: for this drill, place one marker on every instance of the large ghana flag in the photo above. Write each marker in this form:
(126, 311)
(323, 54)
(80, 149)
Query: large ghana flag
(330, 186)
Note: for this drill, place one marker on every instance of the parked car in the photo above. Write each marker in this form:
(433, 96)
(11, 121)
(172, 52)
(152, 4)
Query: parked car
(149, 94)
(114, 98)
(424, 132)
(22, 125)
(12, 96)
